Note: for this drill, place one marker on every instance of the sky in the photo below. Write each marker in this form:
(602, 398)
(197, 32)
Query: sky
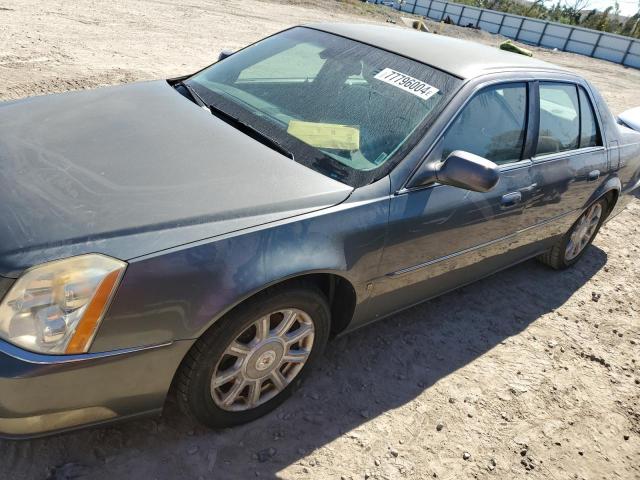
(627, 7)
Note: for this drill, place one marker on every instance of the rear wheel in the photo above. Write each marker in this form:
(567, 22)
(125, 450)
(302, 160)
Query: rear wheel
(570, 248)
(252, 360)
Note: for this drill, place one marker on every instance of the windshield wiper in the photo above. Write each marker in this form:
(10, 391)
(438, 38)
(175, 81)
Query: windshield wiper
(236, 122)
(197, 98)
(249, 130)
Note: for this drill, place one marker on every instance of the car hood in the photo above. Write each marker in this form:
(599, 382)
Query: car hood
(135, 169)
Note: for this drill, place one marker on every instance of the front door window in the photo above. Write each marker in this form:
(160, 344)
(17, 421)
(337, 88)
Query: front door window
(492, 125)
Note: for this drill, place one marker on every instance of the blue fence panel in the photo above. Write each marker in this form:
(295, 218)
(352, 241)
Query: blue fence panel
(453, 12)
(511, 26)
(531, 31)
(633, 58)
(490, 21)
(593, 43)
(555, 36)
(613, 48)
(582, 42)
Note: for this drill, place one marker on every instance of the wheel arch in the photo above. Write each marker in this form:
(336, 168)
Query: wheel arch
(612, 199)
(609, 189)
(340, 292)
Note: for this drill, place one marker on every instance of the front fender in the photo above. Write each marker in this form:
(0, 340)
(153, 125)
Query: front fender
(179, 293)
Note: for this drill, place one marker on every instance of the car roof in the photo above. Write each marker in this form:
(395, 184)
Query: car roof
(462, 58)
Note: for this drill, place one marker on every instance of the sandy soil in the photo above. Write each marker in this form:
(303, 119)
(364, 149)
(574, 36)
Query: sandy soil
(530, 373)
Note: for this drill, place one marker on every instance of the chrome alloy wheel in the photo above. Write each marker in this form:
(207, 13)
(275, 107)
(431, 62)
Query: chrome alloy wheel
(583, 231)
(262, 360)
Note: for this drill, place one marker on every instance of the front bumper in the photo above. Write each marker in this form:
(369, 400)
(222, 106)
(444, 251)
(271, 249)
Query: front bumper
(42, 394)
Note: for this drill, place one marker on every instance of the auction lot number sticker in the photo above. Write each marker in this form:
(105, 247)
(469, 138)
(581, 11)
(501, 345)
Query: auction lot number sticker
(407, 83)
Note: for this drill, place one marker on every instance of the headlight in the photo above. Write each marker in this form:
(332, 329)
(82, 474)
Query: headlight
(56, 307)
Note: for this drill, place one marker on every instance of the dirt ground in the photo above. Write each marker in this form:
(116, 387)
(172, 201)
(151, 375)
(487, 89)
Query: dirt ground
(530, 373)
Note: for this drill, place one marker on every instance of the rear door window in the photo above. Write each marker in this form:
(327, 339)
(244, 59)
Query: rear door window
(589, 132)
(559, 118)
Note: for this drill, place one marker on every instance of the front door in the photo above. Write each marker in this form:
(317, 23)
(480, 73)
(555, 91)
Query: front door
(440, 236)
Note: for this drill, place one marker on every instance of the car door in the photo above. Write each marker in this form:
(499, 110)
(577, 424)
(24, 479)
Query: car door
(570, 160)
(440, 236)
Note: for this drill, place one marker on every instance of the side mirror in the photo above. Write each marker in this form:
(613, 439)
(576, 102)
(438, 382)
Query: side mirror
(224, 54)
(460, 169)
(631, 118)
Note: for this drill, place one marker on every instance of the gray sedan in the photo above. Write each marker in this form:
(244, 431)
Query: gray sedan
(207, 235)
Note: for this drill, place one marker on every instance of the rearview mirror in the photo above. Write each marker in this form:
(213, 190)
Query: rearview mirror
(460, 169)
(224, 54)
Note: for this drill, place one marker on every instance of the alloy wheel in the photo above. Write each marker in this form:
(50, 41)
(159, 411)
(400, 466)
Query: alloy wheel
(261, 361)
(583, 231)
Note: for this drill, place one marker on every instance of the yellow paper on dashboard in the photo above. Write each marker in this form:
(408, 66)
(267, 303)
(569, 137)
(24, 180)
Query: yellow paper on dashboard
(326, 135)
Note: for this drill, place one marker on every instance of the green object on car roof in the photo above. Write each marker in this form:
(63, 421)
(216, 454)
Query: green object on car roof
(509, 46)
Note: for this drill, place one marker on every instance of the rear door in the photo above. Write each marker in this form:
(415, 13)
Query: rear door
(570, 160)
(441, 236)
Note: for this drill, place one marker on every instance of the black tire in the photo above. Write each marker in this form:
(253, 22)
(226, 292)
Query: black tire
(556, 258)
(193, 379)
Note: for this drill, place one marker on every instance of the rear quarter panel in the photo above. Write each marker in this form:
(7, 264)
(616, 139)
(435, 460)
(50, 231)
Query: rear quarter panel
(629, 167)
(624, 154)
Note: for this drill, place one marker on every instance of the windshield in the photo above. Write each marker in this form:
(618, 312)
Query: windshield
(339, 106)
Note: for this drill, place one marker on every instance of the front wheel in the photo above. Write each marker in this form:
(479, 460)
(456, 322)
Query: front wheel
(570, 248)
(253, 359)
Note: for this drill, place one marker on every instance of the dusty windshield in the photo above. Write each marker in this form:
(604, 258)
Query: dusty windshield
(352, 103)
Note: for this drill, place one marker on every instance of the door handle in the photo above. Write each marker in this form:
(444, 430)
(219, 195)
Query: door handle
(530, 188)
(593, 175)
(511, 199)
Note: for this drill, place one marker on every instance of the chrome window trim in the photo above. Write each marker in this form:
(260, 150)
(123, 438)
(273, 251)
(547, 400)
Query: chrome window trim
(549, 157)
(519, 76)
